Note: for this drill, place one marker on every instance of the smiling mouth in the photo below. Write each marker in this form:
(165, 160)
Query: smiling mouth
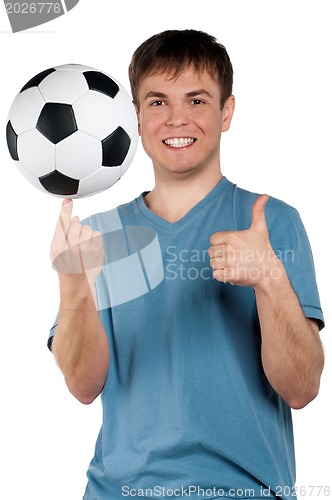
(179, 142)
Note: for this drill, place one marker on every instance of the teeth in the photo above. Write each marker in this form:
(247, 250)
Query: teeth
(179, 142)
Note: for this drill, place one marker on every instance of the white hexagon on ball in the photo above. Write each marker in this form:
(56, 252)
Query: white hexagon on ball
(78, 156)
(63, 86)
(96, 114)
(37, 154)
(25, 110)
(105, 176)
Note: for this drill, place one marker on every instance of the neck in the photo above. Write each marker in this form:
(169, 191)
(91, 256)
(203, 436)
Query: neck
(172, 199)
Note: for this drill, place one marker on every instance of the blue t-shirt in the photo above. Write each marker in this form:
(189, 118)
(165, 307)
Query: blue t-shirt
(187, 408)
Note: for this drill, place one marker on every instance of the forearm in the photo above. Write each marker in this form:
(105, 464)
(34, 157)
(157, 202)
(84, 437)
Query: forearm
(292, 354)
(80, 345)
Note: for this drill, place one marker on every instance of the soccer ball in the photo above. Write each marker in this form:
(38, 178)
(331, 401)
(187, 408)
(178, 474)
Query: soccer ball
(72, 131)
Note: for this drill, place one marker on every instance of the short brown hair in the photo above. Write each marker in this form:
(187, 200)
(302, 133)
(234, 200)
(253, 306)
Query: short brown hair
(174, 50)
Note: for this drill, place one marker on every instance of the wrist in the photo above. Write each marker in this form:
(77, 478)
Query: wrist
(273, 277)
(77, 291)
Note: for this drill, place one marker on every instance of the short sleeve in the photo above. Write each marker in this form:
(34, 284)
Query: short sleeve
(291, 244)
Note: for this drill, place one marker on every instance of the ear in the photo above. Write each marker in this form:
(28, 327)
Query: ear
(137, 114)
(228, 111)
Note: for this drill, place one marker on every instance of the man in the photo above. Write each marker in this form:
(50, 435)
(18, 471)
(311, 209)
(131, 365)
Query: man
(197, 377)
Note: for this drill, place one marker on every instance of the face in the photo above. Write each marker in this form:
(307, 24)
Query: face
(180, 121)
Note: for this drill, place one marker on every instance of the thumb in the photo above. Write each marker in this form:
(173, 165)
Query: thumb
(258, 222)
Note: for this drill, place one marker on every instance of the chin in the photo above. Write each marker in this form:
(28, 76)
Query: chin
(185, 170)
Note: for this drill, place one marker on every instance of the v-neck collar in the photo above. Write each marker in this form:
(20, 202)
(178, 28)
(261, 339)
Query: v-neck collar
(189, 216)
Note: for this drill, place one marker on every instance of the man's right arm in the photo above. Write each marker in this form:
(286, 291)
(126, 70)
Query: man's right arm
(80, 344)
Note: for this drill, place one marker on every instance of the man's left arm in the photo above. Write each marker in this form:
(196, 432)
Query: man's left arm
(292, 353)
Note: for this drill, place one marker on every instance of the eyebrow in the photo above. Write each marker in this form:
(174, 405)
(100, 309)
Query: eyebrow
(198, 92)
(192, 93)
(153, 93)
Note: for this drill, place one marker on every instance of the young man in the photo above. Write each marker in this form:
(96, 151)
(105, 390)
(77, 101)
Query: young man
(197, 377)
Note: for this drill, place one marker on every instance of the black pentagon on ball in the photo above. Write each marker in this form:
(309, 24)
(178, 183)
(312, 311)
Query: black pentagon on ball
(57, 183)
(101, 83)
(115, 148)
(56, 121)
(11, 141)
(36, 80)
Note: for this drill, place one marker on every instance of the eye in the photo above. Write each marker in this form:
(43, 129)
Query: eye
(157, 103)
(197, 101)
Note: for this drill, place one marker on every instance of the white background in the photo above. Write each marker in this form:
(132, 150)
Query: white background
(278, 144)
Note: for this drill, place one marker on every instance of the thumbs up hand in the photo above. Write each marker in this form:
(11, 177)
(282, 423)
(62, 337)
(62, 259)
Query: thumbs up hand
(245, 258)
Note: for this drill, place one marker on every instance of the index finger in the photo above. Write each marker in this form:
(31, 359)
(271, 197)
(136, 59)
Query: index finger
(65, 216)
(218, 238)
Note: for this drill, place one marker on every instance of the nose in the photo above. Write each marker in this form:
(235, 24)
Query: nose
(177, 116)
